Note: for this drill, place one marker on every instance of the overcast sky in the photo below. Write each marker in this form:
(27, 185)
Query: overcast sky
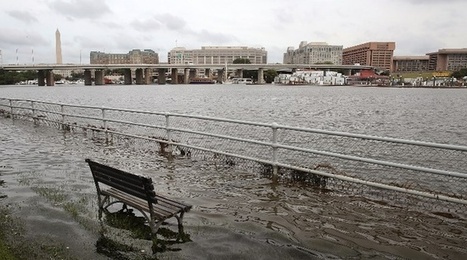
(117, 26)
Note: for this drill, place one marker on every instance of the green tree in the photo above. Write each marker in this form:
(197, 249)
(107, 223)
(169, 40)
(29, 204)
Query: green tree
(460, 73)
(241, 61)
(57, 77)
(76, 75)
(269, 75)
(13, 77)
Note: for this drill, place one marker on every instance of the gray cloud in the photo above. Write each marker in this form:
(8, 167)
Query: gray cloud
(147, 25)
(23, 16)
(214, 38)
(157, 22)
(91, 43)
(20, 38)
(172, 22)
(78, 9)
(424, 2)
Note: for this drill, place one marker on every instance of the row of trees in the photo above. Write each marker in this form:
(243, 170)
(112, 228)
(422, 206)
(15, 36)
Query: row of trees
(13, 77)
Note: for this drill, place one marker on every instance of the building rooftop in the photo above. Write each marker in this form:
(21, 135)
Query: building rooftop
(424, 57)
(450, 51)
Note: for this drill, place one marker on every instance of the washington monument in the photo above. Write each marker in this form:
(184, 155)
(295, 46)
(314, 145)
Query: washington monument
(58, 47)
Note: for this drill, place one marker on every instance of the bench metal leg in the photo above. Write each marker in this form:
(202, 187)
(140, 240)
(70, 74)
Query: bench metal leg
(102, 202)
(181, 233)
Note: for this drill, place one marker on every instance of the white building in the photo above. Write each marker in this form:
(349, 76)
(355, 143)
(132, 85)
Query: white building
(217, 55)
(314, 53)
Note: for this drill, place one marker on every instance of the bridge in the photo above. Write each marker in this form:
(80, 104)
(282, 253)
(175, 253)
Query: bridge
(144, 72)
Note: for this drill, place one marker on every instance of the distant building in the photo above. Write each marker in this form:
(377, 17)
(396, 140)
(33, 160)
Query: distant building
(410, 63)
(376, 54)
(314, 53)
(146, 56)
(217, 55)
(448, 59)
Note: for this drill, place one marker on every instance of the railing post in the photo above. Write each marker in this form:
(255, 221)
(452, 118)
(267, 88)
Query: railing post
(11, 109)
(274, 127)
(168, 132)
(62, 111)
(34, 119)
(104, 122)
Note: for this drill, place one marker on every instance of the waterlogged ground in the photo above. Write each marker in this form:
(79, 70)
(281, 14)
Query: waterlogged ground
(236, 214)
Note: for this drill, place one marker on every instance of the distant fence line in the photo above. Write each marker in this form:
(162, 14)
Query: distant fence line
(324, 159)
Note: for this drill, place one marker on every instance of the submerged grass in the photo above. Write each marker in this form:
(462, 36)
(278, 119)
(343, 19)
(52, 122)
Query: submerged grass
(14, 245)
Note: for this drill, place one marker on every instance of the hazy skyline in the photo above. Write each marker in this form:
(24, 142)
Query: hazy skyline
(118, 26)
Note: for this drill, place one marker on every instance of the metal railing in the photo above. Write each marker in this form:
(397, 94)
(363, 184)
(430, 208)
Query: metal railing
(325, 159)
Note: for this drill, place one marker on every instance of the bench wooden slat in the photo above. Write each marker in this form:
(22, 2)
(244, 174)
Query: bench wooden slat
(162, 211)
(140, 193)
(118, 174)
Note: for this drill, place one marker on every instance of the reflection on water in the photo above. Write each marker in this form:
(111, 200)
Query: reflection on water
(238, 214)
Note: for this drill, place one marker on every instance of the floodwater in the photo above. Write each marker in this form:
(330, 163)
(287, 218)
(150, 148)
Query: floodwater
(238, 214)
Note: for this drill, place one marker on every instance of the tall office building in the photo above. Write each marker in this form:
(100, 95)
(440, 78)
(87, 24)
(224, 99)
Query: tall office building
(212, 55)
(58, 47)
(314, 53)
(376, 54)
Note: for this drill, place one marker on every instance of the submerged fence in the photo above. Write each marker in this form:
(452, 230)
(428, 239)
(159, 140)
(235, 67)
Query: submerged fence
(324, 159)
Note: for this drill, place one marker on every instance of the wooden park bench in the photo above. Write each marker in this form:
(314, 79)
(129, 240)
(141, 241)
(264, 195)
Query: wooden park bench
(137, 192)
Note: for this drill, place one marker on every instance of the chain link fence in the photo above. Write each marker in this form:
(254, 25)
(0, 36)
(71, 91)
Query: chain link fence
(379, 168)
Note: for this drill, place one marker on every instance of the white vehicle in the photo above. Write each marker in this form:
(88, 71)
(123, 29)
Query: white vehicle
(242, 81)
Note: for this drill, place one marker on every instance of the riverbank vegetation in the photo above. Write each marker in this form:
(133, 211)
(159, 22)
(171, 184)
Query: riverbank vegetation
(13, 77)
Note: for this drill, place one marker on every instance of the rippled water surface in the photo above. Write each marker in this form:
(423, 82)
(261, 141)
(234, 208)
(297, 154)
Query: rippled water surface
(238, 214)
(422, 114)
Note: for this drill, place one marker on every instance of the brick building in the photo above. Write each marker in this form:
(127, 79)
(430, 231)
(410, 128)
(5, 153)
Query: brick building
(376, 54)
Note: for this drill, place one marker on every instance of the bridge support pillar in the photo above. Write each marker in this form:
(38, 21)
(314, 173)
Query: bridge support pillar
(147, 76)
(193, 74)
(239, 73)
(139, 76)
(87, 77)
(186, 79)
(348, 72)
(49, 77)
(127, 77)
(174, 76)
(41, 78)
(220, 76)
(98, 77)
(208, 73)
(161, 78)
(260, 76)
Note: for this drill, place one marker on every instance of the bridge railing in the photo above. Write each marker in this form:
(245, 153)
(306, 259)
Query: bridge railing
(379, 167)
